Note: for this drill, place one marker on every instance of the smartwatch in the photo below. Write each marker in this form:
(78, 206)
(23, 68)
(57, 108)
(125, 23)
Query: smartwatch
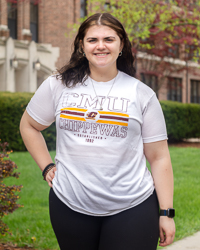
(170, 212)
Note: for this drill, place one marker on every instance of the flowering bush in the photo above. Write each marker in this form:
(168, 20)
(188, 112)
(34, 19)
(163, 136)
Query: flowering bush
(8, 197)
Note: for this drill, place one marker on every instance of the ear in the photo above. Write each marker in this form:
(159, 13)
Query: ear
(81, 46)
(122, 45)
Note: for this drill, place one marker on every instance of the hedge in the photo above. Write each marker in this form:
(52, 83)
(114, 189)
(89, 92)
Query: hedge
(12, 106)
(183, 120)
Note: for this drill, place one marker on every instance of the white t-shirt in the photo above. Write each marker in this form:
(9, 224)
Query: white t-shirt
(101, 167)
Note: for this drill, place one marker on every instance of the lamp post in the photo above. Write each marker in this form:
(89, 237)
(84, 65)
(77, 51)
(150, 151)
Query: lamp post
(14, 63)
(37, 65)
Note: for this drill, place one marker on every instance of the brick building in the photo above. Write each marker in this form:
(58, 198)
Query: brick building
(34, 42)
(34, 33)
(182, 85)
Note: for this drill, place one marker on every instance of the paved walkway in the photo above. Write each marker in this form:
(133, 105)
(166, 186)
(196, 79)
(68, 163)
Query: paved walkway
(188, 243)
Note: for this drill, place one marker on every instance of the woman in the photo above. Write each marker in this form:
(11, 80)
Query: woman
(108, 124)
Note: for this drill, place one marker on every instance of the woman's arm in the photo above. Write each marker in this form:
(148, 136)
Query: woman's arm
(35, 143)
(157, 155)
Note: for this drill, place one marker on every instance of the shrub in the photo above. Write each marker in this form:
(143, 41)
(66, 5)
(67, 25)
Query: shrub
(182, 120)
(8, 197)
(12, 106)
(50, 136)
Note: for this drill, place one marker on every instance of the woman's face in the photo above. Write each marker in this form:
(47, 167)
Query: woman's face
(102, 46)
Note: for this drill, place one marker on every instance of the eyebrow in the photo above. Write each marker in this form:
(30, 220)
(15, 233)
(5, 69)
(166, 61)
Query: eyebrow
(97, 38)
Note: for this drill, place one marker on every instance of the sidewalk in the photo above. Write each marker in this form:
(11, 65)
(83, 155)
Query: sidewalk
(188, 243)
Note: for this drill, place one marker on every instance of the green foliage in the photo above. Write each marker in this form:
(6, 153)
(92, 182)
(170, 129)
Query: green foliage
(137, 16)
(182, 120)
(156, 29)
(171, 21)
(50, 136)
(8, 197)
(12, 106)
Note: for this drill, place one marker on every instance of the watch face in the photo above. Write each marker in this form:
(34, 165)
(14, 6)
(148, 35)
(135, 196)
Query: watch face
(171, 213)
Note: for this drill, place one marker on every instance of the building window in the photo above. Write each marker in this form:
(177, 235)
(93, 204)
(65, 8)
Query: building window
(191, 52)
(12, 19)
(174, 89)
(173, 51)
(151, 81)
(195, 91)
(34, 20)
(83, 9)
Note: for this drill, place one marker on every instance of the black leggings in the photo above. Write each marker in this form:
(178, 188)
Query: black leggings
(136, 228)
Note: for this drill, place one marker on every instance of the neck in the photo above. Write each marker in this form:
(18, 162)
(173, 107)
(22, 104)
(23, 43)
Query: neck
(103, 75)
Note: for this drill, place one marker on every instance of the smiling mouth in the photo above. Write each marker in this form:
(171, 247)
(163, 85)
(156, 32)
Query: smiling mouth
(101, 54)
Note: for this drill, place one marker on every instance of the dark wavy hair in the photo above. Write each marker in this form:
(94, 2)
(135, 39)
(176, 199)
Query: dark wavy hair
(77, 70)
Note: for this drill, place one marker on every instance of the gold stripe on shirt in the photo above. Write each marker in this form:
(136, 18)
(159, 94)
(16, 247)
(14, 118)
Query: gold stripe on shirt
(113, 113)
(72, 117)
(113, 122)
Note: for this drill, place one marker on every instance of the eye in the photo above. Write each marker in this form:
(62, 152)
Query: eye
(109, 39)
(92, 40)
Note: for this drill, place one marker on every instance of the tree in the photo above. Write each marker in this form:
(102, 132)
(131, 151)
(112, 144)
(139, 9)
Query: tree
(170, 22)
(179, 39)
(163, 31)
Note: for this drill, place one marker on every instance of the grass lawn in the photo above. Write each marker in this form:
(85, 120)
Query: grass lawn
(186, 167)
(31, 226)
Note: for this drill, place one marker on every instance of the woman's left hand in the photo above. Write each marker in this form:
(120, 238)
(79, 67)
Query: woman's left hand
(167, 231)
(50, 175)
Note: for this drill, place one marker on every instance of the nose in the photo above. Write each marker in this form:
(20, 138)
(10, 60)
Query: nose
(101, 45)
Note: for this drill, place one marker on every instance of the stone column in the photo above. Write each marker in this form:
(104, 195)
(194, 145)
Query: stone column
(32, 81)
(2, 66)
(10, 71)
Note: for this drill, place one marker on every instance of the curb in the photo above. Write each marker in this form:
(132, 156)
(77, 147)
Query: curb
(188, 243)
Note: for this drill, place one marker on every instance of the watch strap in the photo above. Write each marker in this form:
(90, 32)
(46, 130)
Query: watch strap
(164, 212)
(170, 212)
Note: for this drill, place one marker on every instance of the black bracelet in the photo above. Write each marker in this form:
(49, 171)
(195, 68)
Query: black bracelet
(47, 167)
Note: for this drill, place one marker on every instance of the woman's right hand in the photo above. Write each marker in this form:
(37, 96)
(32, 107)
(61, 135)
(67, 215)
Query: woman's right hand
(50, 175)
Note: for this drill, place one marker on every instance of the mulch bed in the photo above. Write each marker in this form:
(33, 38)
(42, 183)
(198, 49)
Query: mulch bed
(6, 246)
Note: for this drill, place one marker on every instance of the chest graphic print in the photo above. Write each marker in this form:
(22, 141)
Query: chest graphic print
(85, 120)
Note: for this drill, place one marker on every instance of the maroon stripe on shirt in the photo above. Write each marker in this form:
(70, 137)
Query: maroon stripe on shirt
(114, 118)
(72, 113)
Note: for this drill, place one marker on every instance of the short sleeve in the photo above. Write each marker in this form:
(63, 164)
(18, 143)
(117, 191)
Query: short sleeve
(153, 127)
(41, 106)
